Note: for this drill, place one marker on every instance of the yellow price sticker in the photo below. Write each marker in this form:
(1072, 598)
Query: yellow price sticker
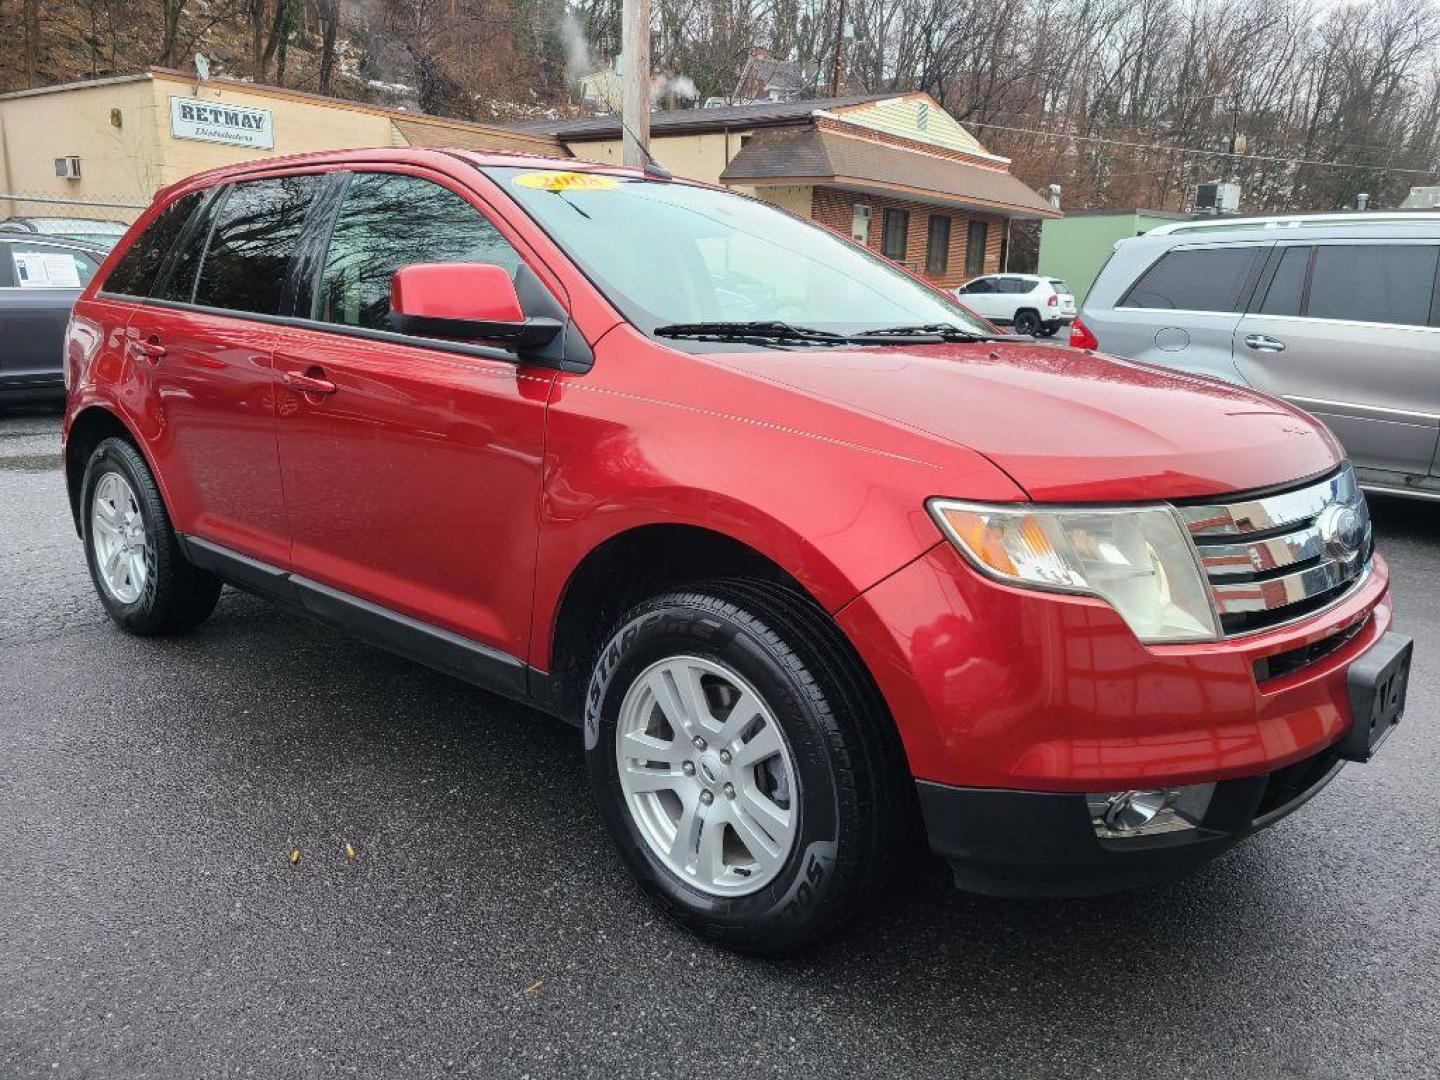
(566, 181)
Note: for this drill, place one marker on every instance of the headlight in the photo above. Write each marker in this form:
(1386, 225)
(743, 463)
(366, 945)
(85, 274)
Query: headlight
(1138, 560)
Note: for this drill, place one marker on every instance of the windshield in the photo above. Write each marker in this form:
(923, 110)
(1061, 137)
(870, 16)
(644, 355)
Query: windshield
(667, 254)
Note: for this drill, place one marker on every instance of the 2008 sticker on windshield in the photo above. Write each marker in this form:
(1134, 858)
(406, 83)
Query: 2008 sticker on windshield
(567, 181)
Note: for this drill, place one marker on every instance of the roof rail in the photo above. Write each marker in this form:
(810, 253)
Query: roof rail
(1297, 221)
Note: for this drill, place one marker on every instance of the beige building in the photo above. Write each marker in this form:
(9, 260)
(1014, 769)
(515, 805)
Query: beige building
(103, 148)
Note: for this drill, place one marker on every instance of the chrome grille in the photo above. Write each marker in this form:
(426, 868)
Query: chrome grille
(1274, 558)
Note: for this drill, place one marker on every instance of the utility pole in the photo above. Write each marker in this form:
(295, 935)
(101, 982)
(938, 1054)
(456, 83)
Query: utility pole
(635, 82)
(839, 53)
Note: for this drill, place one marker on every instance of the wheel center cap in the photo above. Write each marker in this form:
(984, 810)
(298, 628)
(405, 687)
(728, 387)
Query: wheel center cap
(707, 769)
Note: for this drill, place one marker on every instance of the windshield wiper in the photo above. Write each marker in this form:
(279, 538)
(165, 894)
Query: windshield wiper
(749, 331)
(943, 331)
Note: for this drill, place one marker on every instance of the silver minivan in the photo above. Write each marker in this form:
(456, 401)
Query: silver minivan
(1337, 313)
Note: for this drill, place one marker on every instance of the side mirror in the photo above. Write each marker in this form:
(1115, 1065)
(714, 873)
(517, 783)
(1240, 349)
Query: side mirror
(471, 301)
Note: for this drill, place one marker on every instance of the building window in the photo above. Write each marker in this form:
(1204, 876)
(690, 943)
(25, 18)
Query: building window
(937, 245)
(975, 238)
(892, 242)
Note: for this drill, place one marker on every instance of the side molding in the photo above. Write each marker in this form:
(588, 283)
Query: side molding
(444, 651)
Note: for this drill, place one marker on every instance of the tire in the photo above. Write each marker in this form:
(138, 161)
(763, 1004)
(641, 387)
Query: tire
(1027, 322)
(150, 588)
(847, 795)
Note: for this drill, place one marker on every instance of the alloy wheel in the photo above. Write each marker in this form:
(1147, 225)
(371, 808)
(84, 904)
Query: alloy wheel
(123, 555)
(707, 774)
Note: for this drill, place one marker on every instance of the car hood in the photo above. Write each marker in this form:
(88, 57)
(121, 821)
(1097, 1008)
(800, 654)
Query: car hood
(1066, 425)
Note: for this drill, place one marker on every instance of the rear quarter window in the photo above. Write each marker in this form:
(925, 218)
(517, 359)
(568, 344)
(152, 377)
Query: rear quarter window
(135, 272)
(1199, 279)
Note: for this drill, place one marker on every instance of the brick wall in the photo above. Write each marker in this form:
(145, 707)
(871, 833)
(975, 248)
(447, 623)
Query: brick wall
(834, 208)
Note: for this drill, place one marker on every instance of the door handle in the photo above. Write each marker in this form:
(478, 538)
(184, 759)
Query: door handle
(312, 382)
(150, 350)
(1264, 343)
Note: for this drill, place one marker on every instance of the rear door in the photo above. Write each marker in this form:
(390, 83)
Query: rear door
(415, 483)
(39, 284)
(1181, 312)
(205, 361)
(1344, 330)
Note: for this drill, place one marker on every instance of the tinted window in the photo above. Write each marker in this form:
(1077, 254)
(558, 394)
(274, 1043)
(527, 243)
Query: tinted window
(1211, 279)
(1059, 286)
(976, 234)
(984, 285)
(1015, 285)
(47, 266)
(937, 245)
(134, 274)
(897, 225)
(389, 221)
(256, 231)
(1287, 287)
(1385, 283)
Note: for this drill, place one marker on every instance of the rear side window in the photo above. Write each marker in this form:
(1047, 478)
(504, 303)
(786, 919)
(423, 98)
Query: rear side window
(47, 266)
(388, 221)
(1205, 279)
(1382, 283)
(256, 231)
(135, 273)
(1287, 287)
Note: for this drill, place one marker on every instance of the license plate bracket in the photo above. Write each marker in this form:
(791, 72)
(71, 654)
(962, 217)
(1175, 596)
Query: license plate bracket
(1377, 681)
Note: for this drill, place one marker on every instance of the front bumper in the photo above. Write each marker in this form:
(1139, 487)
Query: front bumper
(1013, 704)
(997, 687)
(1035, 843)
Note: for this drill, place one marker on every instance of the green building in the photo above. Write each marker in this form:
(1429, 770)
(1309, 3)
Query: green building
(1076, 246)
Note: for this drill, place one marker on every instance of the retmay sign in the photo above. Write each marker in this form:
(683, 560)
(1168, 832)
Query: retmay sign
(210, 121)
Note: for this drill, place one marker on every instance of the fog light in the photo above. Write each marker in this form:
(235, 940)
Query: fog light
(1121, 814)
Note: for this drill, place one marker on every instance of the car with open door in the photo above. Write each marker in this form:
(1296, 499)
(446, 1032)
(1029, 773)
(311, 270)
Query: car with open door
(810, 564)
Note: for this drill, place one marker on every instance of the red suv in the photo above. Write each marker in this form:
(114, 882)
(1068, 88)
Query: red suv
(810, 553)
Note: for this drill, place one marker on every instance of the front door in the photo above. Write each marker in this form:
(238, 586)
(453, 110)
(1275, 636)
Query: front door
(1341, 329)
(207, 365)
(414, 483)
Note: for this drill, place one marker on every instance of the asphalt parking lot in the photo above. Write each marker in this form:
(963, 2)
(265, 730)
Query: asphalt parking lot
(152, 923)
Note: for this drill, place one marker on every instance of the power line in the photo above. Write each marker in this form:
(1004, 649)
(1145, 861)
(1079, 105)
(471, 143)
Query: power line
(1204, 153)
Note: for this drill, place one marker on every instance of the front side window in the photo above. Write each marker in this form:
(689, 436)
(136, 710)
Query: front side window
(1199, 279)
(48, 266)
(937, 241)
(976, 236)
(667, 253)
(388, 221)
(256, 231)
(1382, 283)
(897, 229)
(983, 285)
(135, 273)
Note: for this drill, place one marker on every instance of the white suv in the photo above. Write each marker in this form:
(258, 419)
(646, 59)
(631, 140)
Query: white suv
(1034, 305)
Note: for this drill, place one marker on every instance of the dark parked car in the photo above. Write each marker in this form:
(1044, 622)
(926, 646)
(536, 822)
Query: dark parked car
(40, 279)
